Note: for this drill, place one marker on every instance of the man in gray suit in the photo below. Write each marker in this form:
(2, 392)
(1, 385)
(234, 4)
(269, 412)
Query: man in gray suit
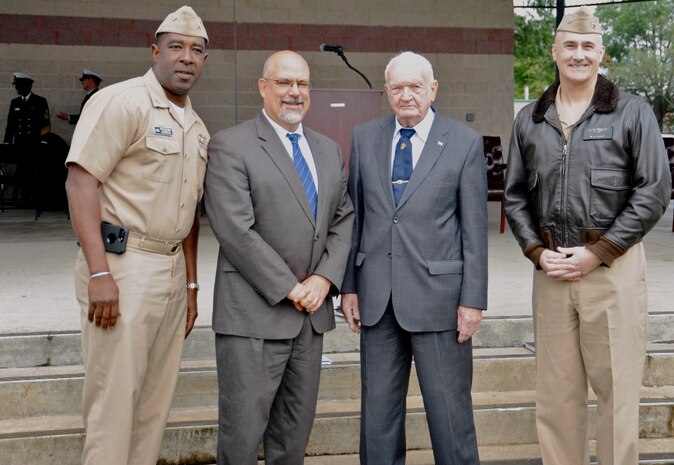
(276, 199)
(416, 280)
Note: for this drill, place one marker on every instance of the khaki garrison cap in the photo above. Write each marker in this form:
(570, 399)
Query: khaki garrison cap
(183, 21)
(581, 22)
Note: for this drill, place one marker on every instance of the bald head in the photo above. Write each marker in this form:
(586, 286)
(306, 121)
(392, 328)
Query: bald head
(283, 58)
(284, 86)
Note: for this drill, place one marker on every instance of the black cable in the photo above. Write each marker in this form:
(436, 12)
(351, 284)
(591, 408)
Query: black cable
(583, 4)
(341, 54)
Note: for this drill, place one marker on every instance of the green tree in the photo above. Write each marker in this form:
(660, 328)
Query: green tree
(639, 39)
(534, 35)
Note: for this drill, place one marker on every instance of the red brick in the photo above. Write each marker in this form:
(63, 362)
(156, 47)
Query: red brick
(68, 30)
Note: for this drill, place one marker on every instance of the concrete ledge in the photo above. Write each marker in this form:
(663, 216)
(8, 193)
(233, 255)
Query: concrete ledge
(63, 348)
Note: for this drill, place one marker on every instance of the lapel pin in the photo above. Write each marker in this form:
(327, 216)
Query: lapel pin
(440, 143)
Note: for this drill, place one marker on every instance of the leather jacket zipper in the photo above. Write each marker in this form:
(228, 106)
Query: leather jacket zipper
(565, 156)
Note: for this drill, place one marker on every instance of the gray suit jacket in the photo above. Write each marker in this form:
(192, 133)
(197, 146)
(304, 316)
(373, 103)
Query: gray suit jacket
(429, 254)
(268, 237)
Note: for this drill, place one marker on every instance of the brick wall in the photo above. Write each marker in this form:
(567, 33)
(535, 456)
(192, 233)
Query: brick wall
(469, 43)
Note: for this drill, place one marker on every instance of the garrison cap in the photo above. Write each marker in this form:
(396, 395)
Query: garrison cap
(87, 73)
(183, 21)
(22, 76)
(580, 22)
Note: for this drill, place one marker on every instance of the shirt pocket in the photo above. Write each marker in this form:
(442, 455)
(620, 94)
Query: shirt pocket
(161, 159)
(611, 189)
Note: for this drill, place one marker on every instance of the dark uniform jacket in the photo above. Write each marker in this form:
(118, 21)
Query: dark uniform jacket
(27, 122)
(605, 186)
(73, 119)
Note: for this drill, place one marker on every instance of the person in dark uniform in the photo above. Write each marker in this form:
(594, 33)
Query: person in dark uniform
(28, 125)
(90, 82)
(28, 119)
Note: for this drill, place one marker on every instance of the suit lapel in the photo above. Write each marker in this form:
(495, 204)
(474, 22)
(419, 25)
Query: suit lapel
(383, 154)
(277, 152)
(433, 148)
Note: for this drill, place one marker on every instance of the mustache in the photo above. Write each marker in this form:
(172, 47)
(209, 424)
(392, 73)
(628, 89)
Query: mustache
(294, 100)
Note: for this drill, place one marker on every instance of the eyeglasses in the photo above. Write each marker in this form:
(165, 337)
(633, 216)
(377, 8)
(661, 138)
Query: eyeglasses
(284, 85)
(415, 88)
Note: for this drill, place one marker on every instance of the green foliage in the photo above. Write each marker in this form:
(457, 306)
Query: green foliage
(639, 39)
(534, 35)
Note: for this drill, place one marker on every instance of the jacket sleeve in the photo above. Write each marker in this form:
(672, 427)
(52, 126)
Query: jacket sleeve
(516, 193)
(333, 260)
(651, 181)
(473, 213)
(356, 195)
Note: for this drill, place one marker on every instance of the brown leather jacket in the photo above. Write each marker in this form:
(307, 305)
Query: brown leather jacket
(604, 187)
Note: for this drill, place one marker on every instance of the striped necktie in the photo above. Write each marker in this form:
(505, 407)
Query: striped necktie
(402, 163)
(304, 173)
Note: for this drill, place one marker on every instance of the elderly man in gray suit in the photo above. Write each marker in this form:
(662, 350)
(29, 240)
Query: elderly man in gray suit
(416, 280)
(285, 235)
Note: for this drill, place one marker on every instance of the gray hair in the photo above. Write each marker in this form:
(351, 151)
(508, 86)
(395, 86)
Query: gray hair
(411, 59)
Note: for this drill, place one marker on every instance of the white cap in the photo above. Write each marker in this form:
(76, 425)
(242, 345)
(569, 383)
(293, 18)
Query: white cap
(18, 75)
(87, 73)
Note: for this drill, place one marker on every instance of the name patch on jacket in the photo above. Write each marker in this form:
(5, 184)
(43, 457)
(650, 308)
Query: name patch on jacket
(598, 133)
(160, 131)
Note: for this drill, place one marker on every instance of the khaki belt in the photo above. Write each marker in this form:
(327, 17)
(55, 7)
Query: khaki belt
(151, 244)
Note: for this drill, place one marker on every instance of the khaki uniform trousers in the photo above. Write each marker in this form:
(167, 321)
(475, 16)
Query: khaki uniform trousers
(595, 330)
(131, 370)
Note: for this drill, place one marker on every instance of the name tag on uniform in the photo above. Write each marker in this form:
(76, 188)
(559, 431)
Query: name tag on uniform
(160, 131)
(598, 133)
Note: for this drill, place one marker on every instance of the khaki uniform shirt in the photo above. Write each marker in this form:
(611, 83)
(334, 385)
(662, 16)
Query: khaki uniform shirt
(151, 167)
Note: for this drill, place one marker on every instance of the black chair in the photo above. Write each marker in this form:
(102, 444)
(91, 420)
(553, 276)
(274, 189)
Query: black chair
(496, 169)
(669, 145)
(36, 175)
(10, 159)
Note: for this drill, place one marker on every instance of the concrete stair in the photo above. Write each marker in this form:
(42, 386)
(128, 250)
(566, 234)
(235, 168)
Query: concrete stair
(40, 420)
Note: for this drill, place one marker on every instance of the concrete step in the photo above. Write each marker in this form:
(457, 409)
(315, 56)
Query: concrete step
(191, 434)
(527, 454)
(29, 392)
(63, 348)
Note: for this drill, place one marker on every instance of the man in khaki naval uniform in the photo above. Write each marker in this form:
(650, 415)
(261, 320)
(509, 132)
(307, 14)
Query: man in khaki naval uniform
(138, 160)
(587, 179)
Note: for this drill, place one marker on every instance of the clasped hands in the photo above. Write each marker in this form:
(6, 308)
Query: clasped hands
(569, 264)
(309, 294)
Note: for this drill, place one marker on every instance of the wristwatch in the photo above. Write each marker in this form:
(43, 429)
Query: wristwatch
(194, 286)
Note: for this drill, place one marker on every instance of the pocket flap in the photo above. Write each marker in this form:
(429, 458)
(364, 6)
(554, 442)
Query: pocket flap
(445, 267)
(616, 180)
(228, 267)
(162, 145)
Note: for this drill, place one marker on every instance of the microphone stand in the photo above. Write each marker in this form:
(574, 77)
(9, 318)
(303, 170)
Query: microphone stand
(341, 55)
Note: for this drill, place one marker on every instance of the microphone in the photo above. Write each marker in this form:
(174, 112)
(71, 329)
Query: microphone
(331, 48)
(339, 50)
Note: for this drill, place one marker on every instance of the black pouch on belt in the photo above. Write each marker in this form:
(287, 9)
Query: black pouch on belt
(114, 238)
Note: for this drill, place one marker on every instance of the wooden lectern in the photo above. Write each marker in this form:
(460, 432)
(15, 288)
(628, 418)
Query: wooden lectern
(335, 112)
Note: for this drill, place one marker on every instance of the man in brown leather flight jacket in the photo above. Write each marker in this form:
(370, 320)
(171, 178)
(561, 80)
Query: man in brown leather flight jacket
(587, 178)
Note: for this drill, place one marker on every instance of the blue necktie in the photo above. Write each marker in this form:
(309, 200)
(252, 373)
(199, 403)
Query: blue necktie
(304, 172)
(402, 163)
